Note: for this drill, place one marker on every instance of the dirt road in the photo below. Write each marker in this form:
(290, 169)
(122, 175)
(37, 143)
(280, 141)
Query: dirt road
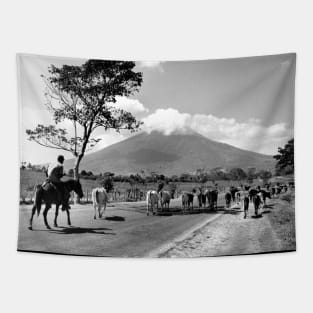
(231, 234)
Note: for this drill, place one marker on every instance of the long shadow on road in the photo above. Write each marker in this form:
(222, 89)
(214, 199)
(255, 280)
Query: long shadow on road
(78, 230)
(115, 218)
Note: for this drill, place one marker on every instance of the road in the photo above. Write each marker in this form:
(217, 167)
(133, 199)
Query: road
(272, 230)
(125, 231)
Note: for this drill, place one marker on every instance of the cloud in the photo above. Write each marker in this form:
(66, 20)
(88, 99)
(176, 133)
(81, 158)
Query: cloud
(167, 121)
(250, 135)
(151, 65)
(133, 106)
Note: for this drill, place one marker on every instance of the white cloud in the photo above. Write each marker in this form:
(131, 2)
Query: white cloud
(133, 106)
(166, 121)
(250, 135)
(151, 65)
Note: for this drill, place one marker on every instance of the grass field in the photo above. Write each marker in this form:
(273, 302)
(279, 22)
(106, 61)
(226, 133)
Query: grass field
(29, 179)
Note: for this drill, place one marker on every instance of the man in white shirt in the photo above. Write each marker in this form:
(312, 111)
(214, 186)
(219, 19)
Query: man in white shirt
(55, 172)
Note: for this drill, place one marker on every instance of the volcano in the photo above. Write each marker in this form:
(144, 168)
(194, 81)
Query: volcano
(170, 155)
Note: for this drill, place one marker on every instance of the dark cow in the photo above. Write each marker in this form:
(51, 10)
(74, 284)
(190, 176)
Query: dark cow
(228, 199)
(252, 193)
(212, 196)
(187, 201)
(257, 203)
(265, 194)
(233, 191)
(201, 197)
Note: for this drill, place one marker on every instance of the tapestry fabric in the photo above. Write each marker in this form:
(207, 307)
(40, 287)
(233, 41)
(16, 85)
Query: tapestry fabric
(156, 158)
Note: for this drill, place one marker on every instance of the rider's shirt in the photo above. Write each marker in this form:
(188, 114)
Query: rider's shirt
(55, 172)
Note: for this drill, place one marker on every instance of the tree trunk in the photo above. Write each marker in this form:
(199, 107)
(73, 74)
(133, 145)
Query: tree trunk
(76, 177)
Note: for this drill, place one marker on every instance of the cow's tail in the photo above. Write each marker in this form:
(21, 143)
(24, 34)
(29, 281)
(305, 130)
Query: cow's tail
(38, 198)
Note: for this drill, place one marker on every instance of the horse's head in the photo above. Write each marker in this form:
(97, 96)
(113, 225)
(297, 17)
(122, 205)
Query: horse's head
(77, 187)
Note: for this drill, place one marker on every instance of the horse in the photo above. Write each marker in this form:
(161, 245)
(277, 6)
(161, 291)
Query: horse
(49, 196)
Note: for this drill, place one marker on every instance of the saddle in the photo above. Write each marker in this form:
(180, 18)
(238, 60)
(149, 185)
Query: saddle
(48, 185)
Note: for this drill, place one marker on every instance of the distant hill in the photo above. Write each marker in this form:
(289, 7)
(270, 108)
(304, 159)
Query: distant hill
(169, 155)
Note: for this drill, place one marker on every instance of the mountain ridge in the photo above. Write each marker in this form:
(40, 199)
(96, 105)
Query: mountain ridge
(170, 154)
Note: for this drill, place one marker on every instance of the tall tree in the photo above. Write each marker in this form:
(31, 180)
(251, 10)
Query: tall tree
(85, 96)
(237, 173)
(285, 158)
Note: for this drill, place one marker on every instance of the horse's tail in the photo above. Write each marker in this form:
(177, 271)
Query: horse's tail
(97, 196)
(38, 198)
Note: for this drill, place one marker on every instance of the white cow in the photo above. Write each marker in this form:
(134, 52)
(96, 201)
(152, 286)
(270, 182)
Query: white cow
(165, 198)
(99, 199)
(152, 201)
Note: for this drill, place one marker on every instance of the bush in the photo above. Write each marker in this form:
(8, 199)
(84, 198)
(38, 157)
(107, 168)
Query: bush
(286, 197)
(107, 183)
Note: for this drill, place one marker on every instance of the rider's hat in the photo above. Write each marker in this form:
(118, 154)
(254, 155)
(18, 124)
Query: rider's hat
(60, 158)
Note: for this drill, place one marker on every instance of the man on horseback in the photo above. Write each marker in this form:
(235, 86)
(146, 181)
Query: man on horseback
(55, 172)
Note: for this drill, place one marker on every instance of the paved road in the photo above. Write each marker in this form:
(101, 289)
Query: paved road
(125, 231)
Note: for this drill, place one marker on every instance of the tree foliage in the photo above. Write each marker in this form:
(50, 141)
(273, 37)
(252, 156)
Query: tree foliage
(85, 96)
(285, 158)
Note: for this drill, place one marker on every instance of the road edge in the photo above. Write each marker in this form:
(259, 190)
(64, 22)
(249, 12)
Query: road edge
(155, 253)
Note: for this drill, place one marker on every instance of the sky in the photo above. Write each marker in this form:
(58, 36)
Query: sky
(245, 102)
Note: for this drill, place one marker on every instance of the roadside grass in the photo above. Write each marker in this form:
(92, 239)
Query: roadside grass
(282, 219)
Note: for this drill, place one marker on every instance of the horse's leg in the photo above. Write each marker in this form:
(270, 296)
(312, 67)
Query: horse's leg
(56, 215)
(30, 227)
(99, 211)
(104, 208)
(45, 213)
(68, 217)
(95, 209)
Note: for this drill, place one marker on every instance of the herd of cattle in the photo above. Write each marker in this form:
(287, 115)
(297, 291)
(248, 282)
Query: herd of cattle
(206, 197)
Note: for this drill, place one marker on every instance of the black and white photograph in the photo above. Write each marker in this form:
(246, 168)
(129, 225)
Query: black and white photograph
(156, 159)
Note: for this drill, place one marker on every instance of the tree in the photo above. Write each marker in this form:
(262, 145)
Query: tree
(263, 174)
(285, 158)
(83, 173)
(108, 183)
(237, 173)
(85, 95)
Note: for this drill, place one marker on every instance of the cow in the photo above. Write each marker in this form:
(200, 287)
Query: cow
(228, 199)
(187, 201)
(99, 198)
(201, 197)
(212, 199)
(238, 196)
(152, 199)
(165, 198)
(265, 194)
(233, 191)
(252, 193)
(257, 203)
